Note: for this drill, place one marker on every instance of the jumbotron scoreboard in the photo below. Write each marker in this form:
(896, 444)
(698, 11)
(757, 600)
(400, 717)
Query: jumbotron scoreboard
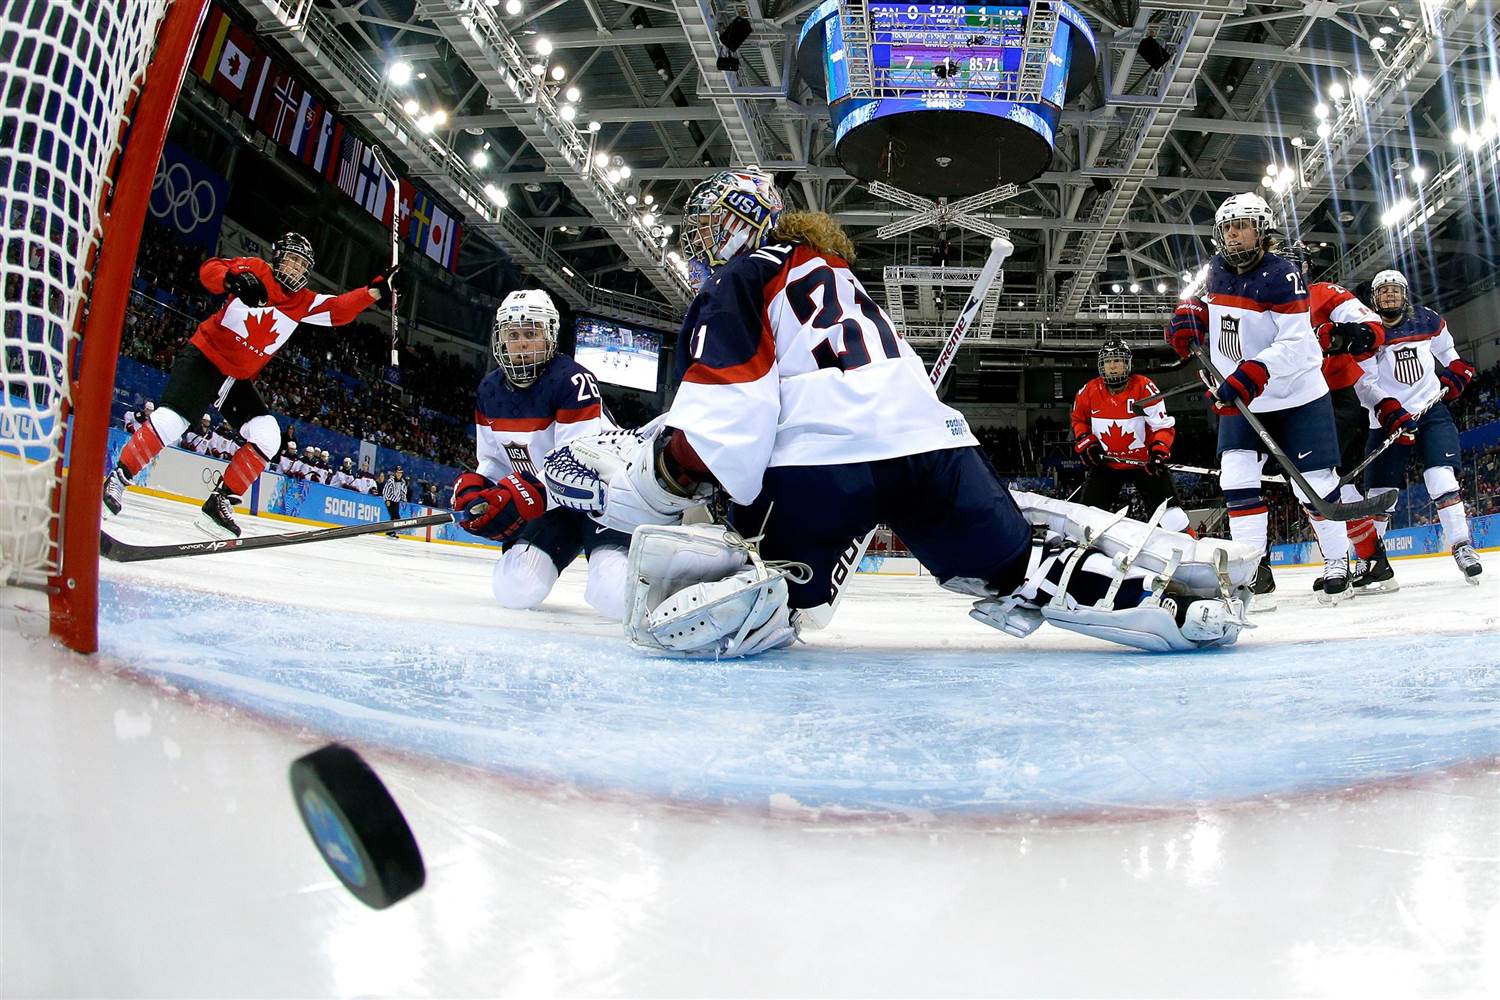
(936, 98)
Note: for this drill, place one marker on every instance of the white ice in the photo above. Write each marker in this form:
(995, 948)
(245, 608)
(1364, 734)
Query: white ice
(908, 804)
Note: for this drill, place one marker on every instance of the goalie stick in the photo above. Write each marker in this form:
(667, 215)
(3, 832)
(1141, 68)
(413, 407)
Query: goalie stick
(848, 562)
(115, 550)
(1375, 503)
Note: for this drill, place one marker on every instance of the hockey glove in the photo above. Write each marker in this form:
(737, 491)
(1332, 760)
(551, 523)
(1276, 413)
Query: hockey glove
(1188, 326)
(1090, 451)
(1357, 339)
(1157, 464)
(246, 287)
(1455, 378)
(1244, 383)
(385, 284)
(1396, 420)
(498, 510)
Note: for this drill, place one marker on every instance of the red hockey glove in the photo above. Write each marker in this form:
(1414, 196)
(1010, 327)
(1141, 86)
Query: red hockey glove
(1396, 420)
(1157, 464)
(1188, 326)
(1244, 383)
(385, 284)
(1455, 378)
(498, 510)
(246, 287)
(1089, 450)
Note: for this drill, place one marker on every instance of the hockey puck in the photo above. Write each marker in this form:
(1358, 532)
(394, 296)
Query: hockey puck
(357, 826)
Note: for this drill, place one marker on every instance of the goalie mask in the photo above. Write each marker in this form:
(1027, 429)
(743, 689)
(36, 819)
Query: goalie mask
(1391, 295)
(525, 335)
(729, 213)
(1115, 375)
(1238, 208)
(292, 261)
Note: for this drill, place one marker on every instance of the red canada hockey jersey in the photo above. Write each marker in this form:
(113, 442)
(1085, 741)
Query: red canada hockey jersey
(1108, 416)
(240, 339)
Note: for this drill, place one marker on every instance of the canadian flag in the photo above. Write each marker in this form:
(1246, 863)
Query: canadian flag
(234, 64)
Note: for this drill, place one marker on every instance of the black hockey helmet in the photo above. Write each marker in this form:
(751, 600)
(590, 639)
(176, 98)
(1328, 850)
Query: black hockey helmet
(1298, 253)
(1114, 349)
(291, 247)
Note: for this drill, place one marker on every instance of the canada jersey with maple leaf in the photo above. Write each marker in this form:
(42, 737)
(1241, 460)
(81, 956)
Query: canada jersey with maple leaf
(1123, 432)
(240, 339)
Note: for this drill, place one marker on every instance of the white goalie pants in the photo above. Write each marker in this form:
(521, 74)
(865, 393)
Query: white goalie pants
(524, 575)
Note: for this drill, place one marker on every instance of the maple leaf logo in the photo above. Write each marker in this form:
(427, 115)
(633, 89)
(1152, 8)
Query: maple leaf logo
(1117, 440)
(234, 65)
(260, 329)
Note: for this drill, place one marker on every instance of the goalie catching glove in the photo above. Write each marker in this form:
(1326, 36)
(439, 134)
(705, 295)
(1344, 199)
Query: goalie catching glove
(498, 510)
(623, 479)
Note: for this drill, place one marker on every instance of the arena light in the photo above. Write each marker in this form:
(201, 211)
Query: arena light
(426, 124)
(594, 127)
(558, 73)
(513, 7)
(439, 116)
(1360, 86)
(624, 172)
(481, 159)
(411, 107)
(1161, 288)
(537, 69)
(630, 199)
(567, 112)
(495, 195)
(1418, 174)
(648, 199)
(573, 94)
(1135, 288)
(1271, 169)
(648, 219)
(1377, 43)
(1320, 111)
(1336, 91)
(1324, 130)
(613, 175)
(1116, 288)
(1397, 212)
(399, 73)
(543, 46)
(1298, 142)
(601, 160)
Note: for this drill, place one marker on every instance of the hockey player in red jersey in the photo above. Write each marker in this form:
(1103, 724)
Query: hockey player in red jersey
(264, 305)
(1121, 444)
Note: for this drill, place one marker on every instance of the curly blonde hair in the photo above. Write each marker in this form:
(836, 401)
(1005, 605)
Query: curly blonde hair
(816, 229)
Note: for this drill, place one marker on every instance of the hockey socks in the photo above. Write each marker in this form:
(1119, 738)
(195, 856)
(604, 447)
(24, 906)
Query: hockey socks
(1248, 518)
(1363, 539)
(144, 445)
(1455, 521)
(244, 467)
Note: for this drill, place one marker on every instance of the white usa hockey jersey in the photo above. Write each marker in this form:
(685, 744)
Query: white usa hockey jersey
(785, 360)
(1406, 364)
(1262, 315)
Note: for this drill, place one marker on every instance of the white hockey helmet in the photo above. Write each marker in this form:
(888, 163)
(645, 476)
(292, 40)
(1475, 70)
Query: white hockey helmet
(527, 315)
(1385, 278)
(1235, 208)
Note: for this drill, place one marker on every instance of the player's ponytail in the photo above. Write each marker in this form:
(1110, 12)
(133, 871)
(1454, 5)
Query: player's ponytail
(817, 230)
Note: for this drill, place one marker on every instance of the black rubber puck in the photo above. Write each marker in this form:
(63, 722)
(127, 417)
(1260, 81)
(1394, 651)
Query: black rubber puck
(357, 826)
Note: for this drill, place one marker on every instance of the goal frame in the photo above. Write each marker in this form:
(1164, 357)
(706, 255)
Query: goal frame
(77, 495)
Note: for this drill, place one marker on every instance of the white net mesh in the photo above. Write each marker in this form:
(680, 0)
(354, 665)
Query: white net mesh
(68, 70)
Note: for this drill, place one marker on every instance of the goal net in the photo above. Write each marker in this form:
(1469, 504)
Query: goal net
(87, 89)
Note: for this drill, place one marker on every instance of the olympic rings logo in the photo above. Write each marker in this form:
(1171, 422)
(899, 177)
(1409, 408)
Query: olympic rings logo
(174, 190)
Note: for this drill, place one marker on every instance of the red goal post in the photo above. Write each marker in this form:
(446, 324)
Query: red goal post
(87, 91)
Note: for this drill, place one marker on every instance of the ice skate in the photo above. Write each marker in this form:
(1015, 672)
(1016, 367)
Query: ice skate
(1335, 582)
(114, 493)
(1375, 575)
(217, 516)
(1468, 562)
(1263, 590)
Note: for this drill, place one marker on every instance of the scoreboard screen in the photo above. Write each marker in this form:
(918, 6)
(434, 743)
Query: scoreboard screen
(968, 47)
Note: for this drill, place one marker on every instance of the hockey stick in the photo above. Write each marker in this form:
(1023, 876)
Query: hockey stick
(1139, 405)
(117, 551)
(1335, 511)
(1198, 469)
(849, 559)
(395, 250)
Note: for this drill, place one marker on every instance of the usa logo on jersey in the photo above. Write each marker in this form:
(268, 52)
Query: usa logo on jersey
(1229, 338)
(1408, 366)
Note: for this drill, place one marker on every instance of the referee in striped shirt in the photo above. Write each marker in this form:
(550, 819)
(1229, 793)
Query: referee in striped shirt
(394, 494)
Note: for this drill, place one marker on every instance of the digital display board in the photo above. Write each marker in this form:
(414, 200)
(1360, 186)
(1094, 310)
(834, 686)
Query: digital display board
(618, 354)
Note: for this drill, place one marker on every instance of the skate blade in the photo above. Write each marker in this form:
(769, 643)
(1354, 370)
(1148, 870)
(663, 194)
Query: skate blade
(1262, 603)
(1328, 600)
(1383, 587)
(212, 528)
(1471, 579)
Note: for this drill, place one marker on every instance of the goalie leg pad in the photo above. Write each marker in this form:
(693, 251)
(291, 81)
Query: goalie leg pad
(1154, 628)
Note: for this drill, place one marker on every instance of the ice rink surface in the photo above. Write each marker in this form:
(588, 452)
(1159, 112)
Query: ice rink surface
(907, 804)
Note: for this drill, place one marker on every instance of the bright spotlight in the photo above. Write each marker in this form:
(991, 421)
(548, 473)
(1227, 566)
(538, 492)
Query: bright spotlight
(1418, 174)
(1321, 111)
(544, 47)
(601, 160)
(399, 73)
(558, 72)
(594, 126)
(1336, 91)
(573, 94)
(568, 112)
(512, 7)
(1324, 130)
(411, 107)
(1135, 288)
(1360, 85)
(1115, 288)
(480, 159)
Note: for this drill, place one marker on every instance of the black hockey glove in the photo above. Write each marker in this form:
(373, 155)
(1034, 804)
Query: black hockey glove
(246, 287)
(1350, 338)
(386, 283)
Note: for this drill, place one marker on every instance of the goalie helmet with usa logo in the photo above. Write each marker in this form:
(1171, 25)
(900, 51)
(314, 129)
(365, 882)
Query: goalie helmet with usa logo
(726, 215)
(525, 335)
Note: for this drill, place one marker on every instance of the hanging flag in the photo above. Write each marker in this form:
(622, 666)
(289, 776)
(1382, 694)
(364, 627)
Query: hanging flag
(278, 113)
(429, 226)
(346, 174)
(234, 64)
(252, 95)
(210, 45)
(374, 188)
(302, 137)
(329, 134)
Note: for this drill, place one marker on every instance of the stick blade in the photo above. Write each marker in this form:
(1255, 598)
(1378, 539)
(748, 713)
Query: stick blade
(1375, 503)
